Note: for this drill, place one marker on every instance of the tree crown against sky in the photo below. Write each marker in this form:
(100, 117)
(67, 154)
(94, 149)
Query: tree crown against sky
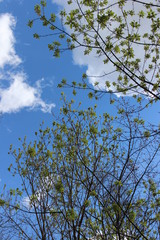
(93, 177)
(103, 185)
(124, 35)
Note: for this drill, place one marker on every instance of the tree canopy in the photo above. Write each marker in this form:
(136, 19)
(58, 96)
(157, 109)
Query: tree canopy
(123, 34)
(92, 176)
(87, 176)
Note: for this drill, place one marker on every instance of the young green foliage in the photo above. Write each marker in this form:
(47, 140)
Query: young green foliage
(90, 173)
(125, 35)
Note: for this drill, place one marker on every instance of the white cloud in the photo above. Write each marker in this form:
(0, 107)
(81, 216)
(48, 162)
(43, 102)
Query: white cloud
(7, 41)
(18, 94)
(26, 202)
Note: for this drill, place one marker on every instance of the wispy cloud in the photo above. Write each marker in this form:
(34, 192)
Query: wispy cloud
(26, 202)
(18, 94)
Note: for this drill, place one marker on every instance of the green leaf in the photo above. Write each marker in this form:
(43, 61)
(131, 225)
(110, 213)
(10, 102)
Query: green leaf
(2, 202)
(35, 35)
(32, 151)
(71, 214)
(90, 95)
(147, 134)
(84, 76)
(53, 17)
(30, 23)
(44, 3)
(74, 92)
(37, 9)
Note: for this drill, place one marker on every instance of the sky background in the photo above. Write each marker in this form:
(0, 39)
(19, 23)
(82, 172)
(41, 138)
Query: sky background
(28, 79)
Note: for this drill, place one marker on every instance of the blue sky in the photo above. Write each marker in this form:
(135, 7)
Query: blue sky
(29, 76)
(28, 79)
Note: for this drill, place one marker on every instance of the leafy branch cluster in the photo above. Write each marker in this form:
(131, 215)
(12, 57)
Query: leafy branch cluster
(125, 34)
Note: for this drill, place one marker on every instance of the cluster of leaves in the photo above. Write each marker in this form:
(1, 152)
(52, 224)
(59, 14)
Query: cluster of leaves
(124, 34)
